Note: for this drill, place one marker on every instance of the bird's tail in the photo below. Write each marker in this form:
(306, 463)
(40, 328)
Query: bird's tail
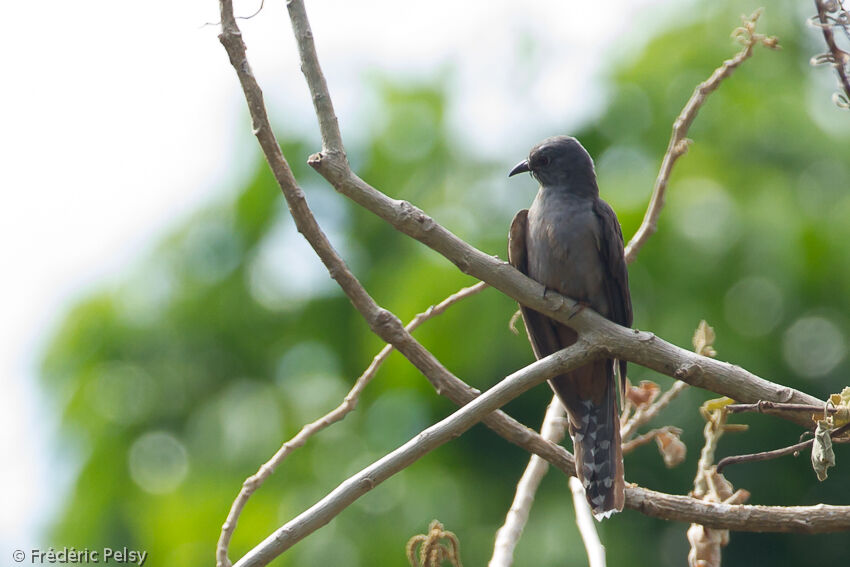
(589, 394)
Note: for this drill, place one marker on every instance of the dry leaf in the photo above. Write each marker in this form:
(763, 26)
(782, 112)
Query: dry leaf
(671, 447)
(644, 393)
(822, 455)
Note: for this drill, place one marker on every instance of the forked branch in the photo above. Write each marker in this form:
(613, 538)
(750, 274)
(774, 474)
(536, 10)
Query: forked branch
(831, 14)
(678, 145)
(598, 337)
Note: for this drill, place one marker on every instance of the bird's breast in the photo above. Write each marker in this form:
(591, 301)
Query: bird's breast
(563, 243)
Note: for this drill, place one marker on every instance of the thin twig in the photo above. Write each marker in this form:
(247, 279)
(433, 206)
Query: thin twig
(254, 482)
(610, 339)
(449, 428)
(328, 123)
(503, 549)
(835, 435)
(624, 344)
(767, 407)
(438, 309)
(586, 525)
(764, 455)
(839, 58)
(803, 411)
(252, 16)
(382, 322)
(507, 537)
(646, 414)
(821, 518)
(710, 486)
(679, 143)
(751, 518)
(632, 444)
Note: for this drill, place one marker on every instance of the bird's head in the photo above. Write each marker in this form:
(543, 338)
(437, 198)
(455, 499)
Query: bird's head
(560, 161)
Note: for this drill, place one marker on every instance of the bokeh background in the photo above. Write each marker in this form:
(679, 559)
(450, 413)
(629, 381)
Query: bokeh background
(166, 328)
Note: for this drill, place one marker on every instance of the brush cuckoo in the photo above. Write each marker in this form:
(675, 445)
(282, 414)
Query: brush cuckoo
(570, 241)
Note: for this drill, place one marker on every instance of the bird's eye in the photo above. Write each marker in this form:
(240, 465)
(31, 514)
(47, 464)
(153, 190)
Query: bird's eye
(544, 160)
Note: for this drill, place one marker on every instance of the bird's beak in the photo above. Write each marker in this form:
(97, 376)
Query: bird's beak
(521, 167)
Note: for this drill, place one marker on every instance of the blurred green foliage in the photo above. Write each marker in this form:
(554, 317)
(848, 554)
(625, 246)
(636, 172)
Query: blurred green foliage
(178, 384)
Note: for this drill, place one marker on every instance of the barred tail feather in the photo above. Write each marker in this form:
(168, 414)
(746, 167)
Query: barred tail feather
(589, 395)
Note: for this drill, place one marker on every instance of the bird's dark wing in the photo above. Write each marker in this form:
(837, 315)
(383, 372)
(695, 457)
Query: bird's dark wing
(542, 333)
(517, 255)
(612, 256)
(613, 260)
(588, 392)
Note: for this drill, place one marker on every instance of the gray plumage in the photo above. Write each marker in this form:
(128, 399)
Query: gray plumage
(570, 241)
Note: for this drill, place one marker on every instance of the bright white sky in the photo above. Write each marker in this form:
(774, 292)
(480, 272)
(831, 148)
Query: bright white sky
(117, 122)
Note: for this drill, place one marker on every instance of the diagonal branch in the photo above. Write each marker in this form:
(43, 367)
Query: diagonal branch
(348, 404)
(382, 322)
(328, 123)
(835, 435)
(819, 518)
(586, 525)
(608, 339)
(839, 58)
(507, 537)
(803, 411)
(678, 145)
(625, 344)
(510, 533)
(647, 414)
(449, 428)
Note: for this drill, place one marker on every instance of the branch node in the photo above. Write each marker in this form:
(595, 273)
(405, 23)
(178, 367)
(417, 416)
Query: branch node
(785, 394)
(409, 212)
(832, 14)
(686, 370)
(384, 321)
(682, 146)
(644, 336)
(315, 160)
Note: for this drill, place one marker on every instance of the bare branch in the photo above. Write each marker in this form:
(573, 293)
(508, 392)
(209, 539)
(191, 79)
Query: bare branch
(632, 444)
(836, 56)
(625, 344)
(449, 428)
(553, 429)
(586, 525)
(254, 482)
(764, 455)
(438, 309)
(821, 518)
(328, 124)
(646, 414)
(711, 486)
(508, 535)
(679, 143)
(607, 339)
(835, 435)
(774, 407)
(382, 322)
(802, 411)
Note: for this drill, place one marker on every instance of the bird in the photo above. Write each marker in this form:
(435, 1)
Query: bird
(571, 242)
